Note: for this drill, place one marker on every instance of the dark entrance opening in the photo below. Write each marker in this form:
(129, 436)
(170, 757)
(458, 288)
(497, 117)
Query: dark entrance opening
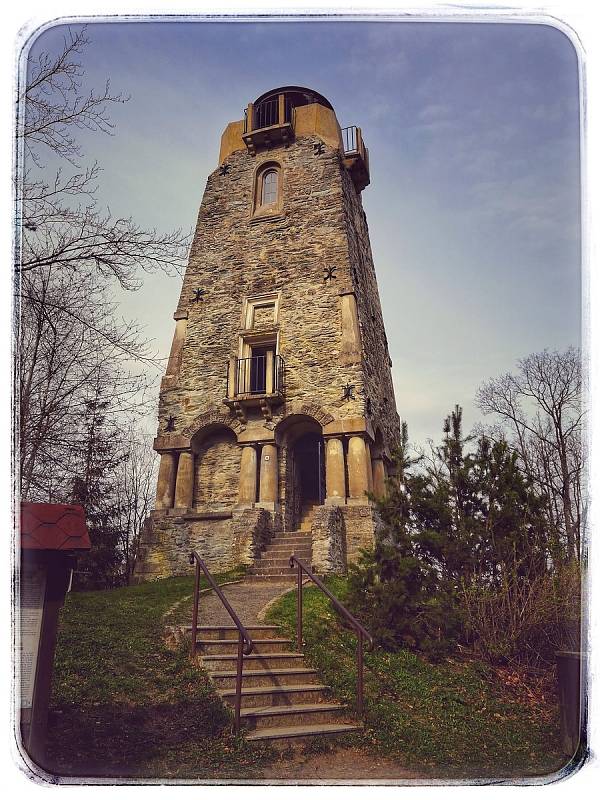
(309, 459)
(258, 370)
(261, 356)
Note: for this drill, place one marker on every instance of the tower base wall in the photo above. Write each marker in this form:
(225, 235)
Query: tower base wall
(224, 542)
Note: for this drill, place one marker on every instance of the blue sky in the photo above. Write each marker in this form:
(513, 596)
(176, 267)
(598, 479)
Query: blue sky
(473, 207)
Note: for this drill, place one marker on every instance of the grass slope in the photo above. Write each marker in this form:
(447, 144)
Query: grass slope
(454, 719)
(126, 705)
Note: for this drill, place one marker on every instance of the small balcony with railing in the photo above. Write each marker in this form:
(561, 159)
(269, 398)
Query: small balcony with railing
(356, 156)
(257, 381)
(268, 122)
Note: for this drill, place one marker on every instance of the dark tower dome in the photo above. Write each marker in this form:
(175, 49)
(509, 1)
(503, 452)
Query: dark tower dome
(298, 95)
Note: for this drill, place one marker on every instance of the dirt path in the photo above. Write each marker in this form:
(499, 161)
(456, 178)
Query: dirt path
(247, 599)
(340, 764)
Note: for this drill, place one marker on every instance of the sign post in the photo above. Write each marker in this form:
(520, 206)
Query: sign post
(51, 537)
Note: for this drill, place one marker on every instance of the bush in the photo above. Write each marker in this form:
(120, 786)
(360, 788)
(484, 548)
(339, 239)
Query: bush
(525, 619)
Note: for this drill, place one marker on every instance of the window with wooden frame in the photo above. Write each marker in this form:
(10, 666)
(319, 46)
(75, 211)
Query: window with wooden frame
(267, 190)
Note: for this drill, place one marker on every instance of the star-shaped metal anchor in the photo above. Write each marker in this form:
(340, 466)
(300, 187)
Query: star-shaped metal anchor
(224, 169)
(329, 273)
(348, 392)
(198, 296)
(318, 148)
(170, 426)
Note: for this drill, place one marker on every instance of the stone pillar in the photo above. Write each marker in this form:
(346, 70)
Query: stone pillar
(269, 384)
(232, 377)
(248, 470)
(166, 481)
(335, 472)
(177, 347)
(184, 486)
(369, 466)
(358, 474)
(350, 326)
(379, 489)
(268, 495)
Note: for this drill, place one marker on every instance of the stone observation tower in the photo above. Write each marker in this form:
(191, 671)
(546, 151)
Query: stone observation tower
(277, 410)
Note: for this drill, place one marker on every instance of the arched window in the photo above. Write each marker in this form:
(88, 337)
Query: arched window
(267, 195)
(269, 187)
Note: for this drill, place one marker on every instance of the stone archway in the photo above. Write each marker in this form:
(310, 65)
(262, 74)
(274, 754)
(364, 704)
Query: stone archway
(212, 419)
(300, 438)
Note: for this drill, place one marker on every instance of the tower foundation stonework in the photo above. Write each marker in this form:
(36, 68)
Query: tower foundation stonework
(277, 408)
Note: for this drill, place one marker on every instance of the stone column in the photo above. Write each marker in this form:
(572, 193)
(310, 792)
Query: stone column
(248, 470)
(335, 473)
(379, 489)
(232, 377)
(369, 466)
(166, 481)
(350, 326)
(269, 384)
(268, 494)
(358, 474)
(177, 347)
(184, 486)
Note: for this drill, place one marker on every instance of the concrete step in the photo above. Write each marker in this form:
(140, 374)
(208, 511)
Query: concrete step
(260, 696)
(285, 552)
(214, 646)
(286, 580)
(217, 632)
(225, 679)
(223, 661)
(300, 732)
(273, 561)
(259, 569)
(291, 538)
(289, 715)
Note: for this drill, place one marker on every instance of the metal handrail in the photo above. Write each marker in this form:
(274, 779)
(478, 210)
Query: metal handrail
(360, 630)
(245, 642)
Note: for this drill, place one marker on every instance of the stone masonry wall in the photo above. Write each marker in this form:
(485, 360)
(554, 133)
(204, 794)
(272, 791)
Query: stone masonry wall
(234, 256)
(217, 470)
(223, 543)
(377, 377)
(328, 540)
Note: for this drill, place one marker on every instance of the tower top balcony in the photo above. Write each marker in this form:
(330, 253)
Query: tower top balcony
(270, 119)
(280, 115)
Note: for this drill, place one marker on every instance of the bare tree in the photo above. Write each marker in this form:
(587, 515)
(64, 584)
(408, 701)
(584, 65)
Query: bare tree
(135, 483)
(541, 409)
(71, 257)
(69, 343)
(62, 223)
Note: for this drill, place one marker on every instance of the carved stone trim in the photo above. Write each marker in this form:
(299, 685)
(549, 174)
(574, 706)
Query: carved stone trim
(213, 417)
(309, 410)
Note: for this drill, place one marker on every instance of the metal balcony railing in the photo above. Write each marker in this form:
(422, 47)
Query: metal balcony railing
(350, 139)
(257, 375)
(356, 156)
(268, 113)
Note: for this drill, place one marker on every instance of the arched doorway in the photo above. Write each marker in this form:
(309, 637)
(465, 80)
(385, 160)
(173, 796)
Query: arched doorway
(302, 439)
(309, 459)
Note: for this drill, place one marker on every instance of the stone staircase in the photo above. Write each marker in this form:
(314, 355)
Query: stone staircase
(274, 562)
(306, 515)
(282, 698)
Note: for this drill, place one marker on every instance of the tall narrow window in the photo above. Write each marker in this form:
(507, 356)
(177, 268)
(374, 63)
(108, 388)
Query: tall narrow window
(269, 187)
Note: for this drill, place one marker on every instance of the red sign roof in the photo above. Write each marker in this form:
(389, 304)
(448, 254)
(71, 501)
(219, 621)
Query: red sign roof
(53, 526)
